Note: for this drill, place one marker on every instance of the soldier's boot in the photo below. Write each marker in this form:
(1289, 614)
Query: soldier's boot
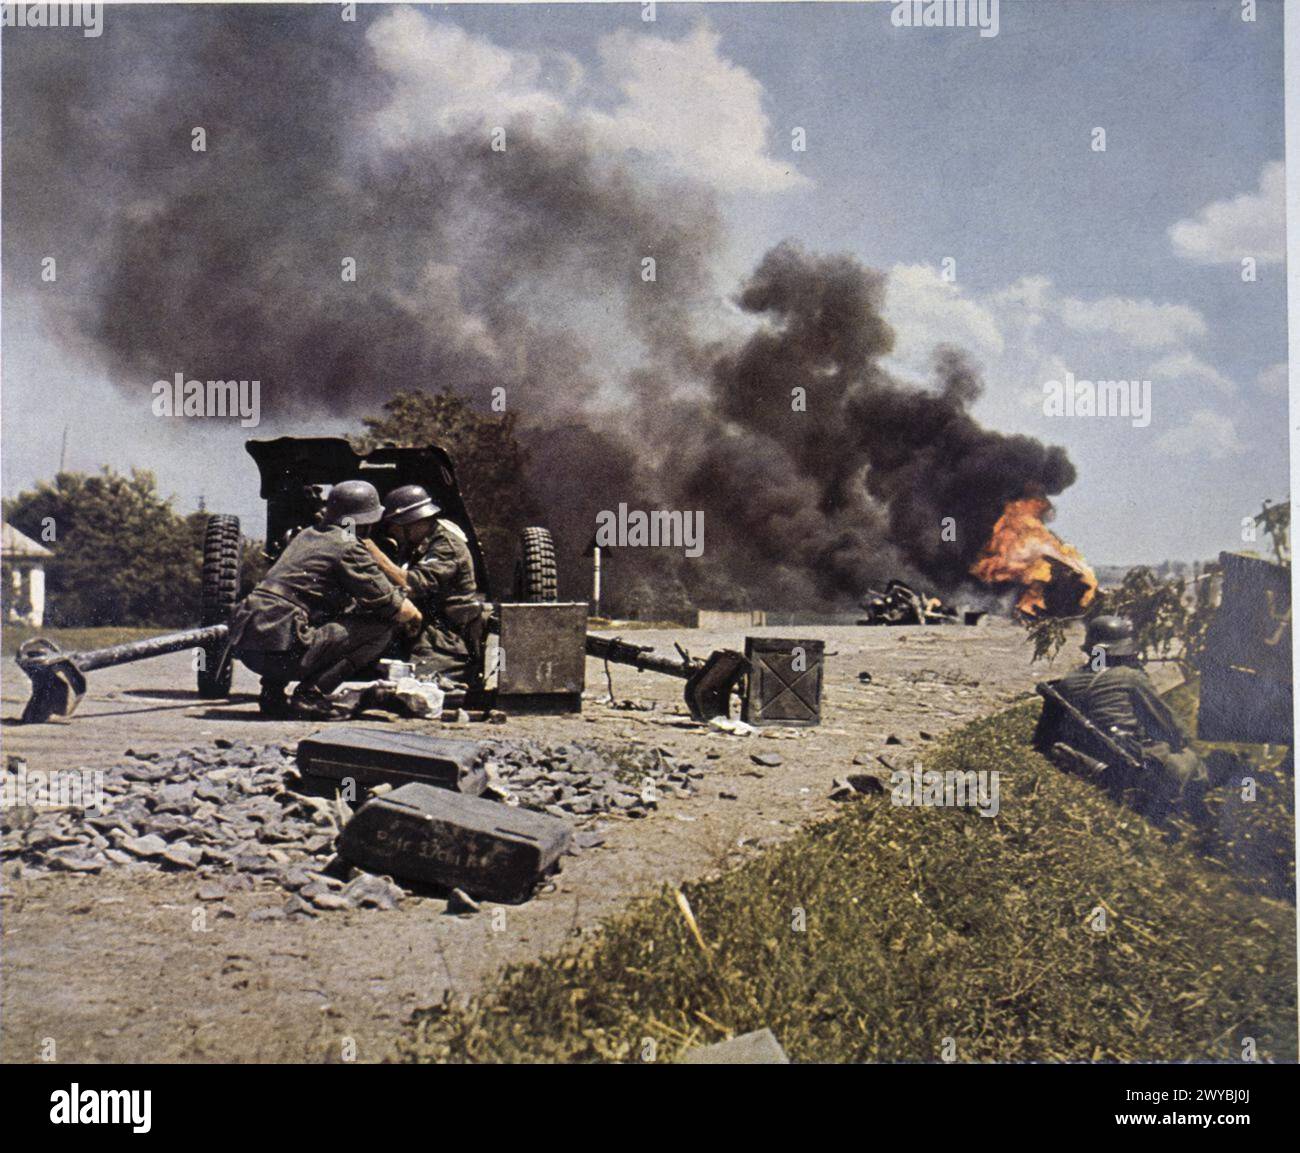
(271, 701)
(329, 679)
(309, 703)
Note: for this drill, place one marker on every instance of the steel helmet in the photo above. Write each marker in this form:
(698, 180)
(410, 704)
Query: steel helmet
(353, 502)
(1114, 634)
(408, 504)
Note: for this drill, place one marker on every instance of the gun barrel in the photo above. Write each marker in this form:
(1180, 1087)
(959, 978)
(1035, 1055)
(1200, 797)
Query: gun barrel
(132, 650)
(151, 647)
(639, 657)
(59, 679)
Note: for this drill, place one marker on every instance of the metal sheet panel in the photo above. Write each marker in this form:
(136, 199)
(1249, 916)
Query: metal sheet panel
(785, 681)
(542, 651)
(1246, 692)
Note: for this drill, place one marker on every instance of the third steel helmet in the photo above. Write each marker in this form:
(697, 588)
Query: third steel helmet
(1114, 634)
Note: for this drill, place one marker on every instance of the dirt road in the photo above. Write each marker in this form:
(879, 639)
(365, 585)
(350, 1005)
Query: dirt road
(115, 966)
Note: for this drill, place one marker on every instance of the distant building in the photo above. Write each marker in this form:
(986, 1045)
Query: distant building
(1112, 575)
(22, 568)
(723, 619)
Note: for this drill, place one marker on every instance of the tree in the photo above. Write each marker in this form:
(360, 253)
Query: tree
(1169, 622)
(490, 464)
(1276, 521)
(122, 555)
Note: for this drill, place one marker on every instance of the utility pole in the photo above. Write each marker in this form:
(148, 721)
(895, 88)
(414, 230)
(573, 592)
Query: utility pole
(593, 551)
(63, 452)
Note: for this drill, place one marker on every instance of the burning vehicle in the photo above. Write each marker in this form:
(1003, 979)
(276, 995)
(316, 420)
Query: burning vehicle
(900, 604)
(1050, 577)
(1046, 576)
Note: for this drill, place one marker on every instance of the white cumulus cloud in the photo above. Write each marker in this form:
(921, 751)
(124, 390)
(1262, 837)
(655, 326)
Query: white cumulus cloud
(1273, 378)
(1142, 323)
(1189, 369)
(1226, 231)
(1205, 433)
(924, 311)
(685, 102)
(447, 79)
(679, 102)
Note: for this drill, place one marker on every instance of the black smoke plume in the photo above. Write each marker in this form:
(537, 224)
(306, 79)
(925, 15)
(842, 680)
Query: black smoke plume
(478, 270)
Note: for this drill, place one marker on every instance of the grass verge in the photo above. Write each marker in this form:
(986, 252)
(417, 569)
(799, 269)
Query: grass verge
(74, 640)
(1254, 839)
(1065, 928)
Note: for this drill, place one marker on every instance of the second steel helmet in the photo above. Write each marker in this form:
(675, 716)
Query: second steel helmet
(1114, 634)
(353, 502)
(408, 504)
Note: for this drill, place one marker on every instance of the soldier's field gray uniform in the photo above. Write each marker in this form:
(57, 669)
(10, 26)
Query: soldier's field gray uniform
(1121, 701)
(440, 579)
(321, 614)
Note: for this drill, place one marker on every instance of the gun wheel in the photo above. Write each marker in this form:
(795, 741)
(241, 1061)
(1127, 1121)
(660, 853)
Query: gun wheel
(222, 562)
(536, 577)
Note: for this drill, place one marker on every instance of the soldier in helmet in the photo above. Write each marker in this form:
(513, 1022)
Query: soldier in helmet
(324, 611)
(432, 563)
(1114, 692)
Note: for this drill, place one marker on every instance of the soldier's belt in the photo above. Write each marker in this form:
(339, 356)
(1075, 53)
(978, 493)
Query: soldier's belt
(281, 592)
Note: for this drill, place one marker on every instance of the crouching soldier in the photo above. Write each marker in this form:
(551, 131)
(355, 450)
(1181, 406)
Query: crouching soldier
(1113, 691)
(433, 564)
(324, 611)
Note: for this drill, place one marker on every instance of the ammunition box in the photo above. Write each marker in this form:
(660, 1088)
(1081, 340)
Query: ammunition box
(420, 833)
(377, 756)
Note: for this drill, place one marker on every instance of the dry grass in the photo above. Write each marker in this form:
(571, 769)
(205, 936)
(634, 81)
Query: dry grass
(923, 925)
(1254, 841)
(74, 640)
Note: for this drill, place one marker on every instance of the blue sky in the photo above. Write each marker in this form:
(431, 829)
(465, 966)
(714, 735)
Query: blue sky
(933, 143)
(926, 144)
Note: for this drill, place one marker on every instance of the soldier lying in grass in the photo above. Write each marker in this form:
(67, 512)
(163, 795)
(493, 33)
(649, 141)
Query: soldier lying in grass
(1114, 694)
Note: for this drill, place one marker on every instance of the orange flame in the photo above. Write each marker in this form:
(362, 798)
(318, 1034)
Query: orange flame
(1023, 551)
